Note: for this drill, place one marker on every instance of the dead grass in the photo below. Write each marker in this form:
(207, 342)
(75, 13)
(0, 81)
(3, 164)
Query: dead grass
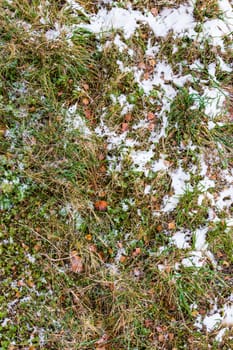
(132, 290)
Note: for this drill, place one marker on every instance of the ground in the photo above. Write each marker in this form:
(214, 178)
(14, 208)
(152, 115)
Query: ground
(116, 177)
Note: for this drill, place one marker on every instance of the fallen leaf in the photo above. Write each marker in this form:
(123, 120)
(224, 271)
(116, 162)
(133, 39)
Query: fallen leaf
(152, 62)
(76, 262)
(101, 205)
(151, 126)
(86, 87)
(88, 237)
(141, 65)
(154, 11)
(171, 225)
(150, 116)
(85, 101)
(32, 109)
(124, 127)
(103, 169)
(161, 338)
(93, 248)
(148, 323)
(128, 117)
(102, 194)
(101, 156)
(122, 259)
(137, 251)
(103, 339)
(88, 114)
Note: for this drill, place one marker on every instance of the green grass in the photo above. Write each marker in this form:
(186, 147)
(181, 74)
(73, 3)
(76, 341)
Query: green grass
(52, 174)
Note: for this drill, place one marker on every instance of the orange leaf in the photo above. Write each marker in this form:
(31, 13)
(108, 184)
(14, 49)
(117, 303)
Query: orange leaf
(101, 205)
(88, 237)
(137, 251)
(85, 101)
(141, 65)
(87, 113)
(150, 116)
(124, 127)
(122, 259)
(154, 11)
(76, 262)
(171, 225)
(128, 117)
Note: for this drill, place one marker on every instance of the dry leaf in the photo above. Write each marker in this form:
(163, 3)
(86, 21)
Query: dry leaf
(101, 156)
(85, 101)
(88, 114)
(154, 11)
(122, 259)
(137, 251)
(124, 127)
(146, 76)
(128, 117)
(76, 262)
(141, 65)
(88, 237)
(101, 205)
(93, 248)
(171, 225)
(86, 87)
(161, 338)
(151, 126)
(150, 116)
(152, 62)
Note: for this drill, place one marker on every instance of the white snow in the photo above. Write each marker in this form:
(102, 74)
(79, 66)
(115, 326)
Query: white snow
(179, 184)
(213, 321)
(225, 198)
(200, 239)
(181, 239)
(228, 316)
(214, 101)
(75, 121)
(141, 158)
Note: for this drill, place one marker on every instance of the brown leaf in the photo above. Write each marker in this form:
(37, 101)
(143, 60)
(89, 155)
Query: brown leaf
(101, 156)
(88, 114)
(161, 338)
(101, 205)
(159, 228)
(122, 259)
(171, 225)
(76, 262)
(151, 126)
(146, 76)
(86, 86)
(88, 237)
(124, 127)
(150, 116)
(154, 11)
(141, 65)
(137, 251)
(85, 101)
(103, 339)
(93, 248)
(128, 117)
(152, 62)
